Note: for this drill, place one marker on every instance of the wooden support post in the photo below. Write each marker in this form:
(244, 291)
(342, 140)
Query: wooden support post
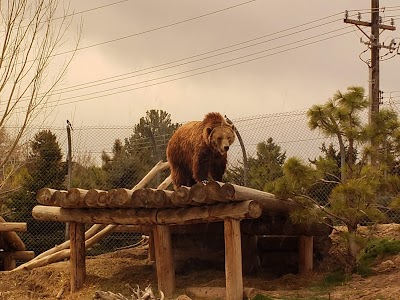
(305, 254)
(233, 260)
(78, 253)
(8, 262)
(164, 259)
(152, 251)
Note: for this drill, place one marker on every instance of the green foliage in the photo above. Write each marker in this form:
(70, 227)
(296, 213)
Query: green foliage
(376, 248)
(263, 169)
(131, 160)
(43, 169)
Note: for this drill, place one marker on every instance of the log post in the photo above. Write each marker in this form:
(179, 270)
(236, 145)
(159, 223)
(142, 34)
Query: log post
(233, 260)
(152, 250)
(305, 254)
(78, 252)
(164, 259)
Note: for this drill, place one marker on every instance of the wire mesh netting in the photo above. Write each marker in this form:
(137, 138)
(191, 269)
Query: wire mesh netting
(119, 157)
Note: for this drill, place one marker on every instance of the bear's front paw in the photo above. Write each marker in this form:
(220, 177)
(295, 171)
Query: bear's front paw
(205, 181)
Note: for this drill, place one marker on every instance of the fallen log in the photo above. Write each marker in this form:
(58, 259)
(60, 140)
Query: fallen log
(60, 255)
(88, 234)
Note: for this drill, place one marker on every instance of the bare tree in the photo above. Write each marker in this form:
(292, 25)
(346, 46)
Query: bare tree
(31, 31)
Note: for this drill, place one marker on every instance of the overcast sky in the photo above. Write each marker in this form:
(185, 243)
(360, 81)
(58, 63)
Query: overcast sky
(191, 57)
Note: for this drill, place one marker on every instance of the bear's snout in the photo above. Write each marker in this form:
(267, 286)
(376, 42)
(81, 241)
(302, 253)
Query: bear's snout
(226, 148)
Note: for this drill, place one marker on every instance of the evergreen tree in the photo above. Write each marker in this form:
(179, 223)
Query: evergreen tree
(44, 168)
(356, 195)
(131, 161)
(264, 168)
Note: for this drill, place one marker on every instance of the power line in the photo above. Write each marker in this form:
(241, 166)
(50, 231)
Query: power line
(181, 61)
(157, 28)
(81, 12)
(196, 74)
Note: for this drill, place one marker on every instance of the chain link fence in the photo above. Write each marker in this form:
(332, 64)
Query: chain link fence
(114, 157)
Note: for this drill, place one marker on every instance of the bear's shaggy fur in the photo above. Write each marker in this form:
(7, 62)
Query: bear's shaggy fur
(197, 151)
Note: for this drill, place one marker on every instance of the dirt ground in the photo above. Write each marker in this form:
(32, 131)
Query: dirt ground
(112, 271)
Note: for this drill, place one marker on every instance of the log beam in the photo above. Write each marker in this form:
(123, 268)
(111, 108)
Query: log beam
(12, 226)
(190, 215)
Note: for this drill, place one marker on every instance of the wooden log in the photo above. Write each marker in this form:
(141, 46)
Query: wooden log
(164, 259)
(95, 216)
(214, 213)
(163, 185)
(180, 197)
(58, 197)
(268, 201)
(92, 197)
(63, 254)
(74, 198)
(168, 198)
(44, 196)
(218, 292)
(140, 197)
(12, 226)
(198, 194)
(153, 172)
(77, 255)
(88, 234)
(233, 260)
(151, 198)
(218, 212)
(9, 258)
(120, 198)
(161, 199)
(305, 254)
(220, 192)
(12, 241)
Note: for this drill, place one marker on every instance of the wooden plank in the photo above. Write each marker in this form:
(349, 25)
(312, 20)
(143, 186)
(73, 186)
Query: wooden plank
(164, 259)
(12, 226)
(305, 254)
(233, 260)
(77, 259)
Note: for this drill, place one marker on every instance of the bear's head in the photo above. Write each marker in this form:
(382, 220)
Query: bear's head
(220, 138)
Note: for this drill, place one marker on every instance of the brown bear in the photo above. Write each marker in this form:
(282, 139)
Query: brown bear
(197, 151)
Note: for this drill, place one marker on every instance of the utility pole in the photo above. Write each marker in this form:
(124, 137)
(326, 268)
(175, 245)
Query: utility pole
(373, 43)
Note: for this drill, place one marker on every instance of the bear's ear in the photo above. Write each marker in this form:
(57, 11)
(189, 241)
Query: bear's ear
(206, 134)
